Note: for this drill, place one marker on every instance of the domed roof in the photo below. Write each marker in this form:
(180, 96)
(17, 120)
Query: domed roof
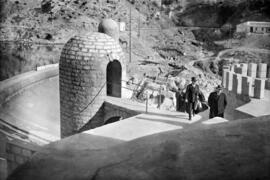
(110, 27)
(90, 44)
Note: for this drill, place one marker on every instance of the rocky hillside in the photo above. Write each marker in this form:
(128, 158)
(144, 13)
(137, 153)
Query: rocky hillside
(33, 33)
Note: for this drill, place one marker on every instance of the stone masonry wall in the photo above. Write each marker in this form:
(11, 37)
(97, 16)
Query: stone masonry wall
(13, 153)
(82, 75)
(106, 112)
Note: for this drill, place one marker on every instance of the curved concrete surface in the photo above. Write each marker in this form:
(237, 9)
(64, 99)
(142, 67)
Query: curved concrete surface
(234, 150)
(35, 109)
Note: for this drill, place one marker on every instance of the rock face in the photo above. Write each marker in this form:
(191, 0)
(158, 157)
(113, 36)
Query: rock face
(83, 74)
(234, 150)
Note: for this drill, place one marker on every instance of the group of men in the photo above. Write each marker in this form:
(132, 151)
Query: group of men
(192, 100)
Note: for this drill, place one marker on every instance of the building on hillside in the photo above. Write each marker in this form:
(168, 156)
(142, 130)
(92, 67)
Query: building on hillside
(254, 27)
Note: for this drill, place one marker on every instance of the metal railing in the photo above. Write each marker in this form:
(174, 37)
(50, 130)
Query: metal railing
(135, 94)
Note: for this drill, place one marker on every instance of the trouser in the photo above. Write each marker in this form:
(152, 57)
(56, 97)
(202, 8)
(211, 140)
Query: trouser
(213, 114)
(190, 108)
(220, 115)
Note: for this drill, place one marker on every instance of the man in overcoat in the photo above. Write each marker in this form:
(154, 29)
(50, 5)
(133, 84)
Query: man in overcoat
(217, 102)
(192, 95)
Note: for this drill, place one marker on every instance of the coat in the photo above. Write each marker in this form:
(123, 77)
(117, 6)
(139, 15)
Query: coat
(217, 103)
(180, 101)
(192, 93)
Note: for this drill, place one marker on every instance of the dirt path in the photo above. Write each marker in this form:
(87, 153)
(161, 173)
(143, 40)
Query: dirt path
(249, 50)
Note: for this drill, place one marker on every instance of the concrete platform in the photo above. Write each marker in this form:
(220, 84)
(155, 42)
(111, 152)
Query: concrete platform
(143, 125)
(257, 107)
(37, 110)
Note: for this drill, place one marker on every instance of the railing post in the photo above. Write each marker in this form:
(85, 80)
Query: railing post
(159, 97)
(146, 106)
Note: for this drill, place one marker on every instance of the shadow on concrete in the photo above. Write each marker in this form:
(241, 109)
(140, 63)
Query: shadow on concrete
(161, 120)
(83, 141)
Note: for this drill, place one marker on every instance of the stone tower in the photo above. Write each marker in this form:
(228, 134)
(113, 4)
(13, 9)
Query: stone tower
(91, 67)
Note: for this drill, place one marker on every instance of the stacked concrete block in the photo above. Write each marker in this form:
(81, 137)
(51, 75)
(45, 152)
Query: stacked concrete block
(259, 88)
(247, 88)
(229, 80)
(232, 68)
(267, 84)
(226, 67)
(224, 77)
(238, 70)
(244, 69)
(252, 70)
(262, 70)
(82, 76)
(237, 84)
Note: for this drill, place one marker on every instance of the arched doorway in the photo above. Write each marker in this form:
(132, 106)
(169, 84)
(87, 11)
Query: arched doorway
(114, 74)
(113, 119)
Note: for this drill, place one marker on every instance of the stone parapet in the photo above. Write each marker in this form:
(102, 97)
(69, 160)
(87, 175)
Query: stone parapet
(245, 79)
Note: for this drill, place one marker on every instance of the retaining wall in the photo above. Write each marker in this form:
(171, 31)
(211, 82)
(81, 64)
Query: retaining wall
(12, 86)
(13, 153)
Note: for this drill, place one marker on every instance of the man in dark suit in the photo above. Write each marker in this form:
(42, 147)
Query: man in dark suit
(192, 95)
(217, 101)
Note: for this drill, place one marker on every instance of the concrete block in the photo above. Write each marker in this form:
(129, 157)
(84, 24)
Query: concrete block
(268, 72)
(247, 88)
(262, 70)
(244, 67)
(238, 70)
(224, 77)
(234, 84)
(226, 67)
(237, 84)
(259, 88)
(267, 84)
(229, 80)
(252, 70)
(232, 68)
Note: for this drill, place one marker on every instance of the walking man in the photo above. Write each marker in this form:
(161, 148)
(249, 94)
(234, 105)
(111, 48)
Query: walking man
(192, 95)
(217, 101)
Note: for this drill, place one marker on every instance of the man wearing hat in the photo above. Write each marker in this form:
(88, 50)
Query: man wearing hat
(217, 102)
(192, 95)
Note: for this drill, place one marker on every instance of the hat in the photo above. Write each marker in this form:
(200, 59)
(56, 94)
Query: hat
(219, 87)
(193, 79)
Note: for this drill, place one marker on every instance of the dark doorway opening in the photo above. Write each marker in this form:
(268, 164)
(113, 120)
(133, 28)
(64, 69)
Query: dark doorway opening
(113, 119)
(251, 29)
(114, 77)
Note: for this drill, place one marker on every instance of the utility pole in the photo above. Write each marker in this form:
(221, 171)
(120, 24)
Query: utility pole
(139, 26)
(130, 33)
